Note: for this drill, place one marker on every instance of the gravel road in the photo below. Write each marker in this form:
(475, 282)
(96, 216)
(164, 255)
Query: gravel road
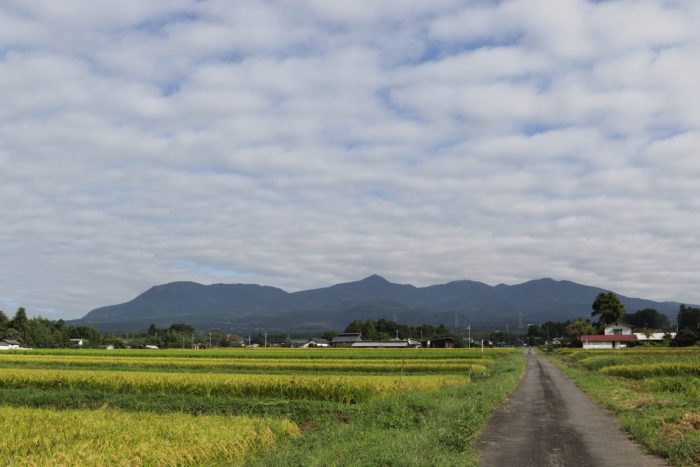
(548, 421)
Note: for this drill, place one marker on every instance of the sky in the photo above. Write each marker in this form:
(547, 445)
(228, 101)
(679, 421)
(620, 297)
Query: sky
(304, 143)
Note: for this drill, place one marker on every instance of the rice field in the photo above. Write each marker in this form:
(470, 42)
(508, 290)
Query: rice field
(45, 437)
(224, 407)
(654, 391)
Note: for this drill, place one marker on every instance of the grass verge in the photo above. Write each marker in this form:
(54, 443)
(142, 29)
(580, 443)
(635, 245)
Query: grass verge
(664, 417)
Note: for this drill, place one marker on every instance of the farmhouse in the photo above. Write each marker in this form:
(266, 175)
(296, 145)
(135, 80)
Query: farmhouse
(346, 339)
(439, 343)
(79, 343)
(316, 342)
(615, 336)
(8, 344)
(392, 344)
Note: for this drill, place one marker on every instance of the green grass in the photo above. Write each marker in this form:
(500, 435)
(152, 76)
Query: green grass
(432, 429)
(658, 407)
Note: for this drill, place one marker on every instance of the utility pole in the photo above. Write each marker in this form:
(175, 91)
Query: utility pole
(469, 339)
(265, 340)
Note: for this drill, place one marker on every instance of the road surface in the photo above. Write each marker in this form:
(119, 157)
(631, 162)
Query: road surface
(548, 421)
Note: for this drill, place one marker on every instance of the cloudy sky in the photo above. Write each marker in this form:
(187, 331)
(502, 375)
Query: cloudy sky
(304, 143)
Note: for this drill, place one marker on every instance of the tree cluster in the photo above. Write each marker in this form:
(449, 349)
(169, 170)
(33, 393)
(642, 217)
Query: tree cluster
(688, 326)
(178, 335)
(648, 318)
(384, 329)
(41, 332)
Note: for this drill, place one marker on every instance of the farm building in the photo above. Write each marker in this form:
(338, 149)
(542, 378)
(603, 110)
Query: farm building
(7, 344)
(439, 343)
(316, 342)
(78, 342)
(392, 344)
(615, 336)
(654, 336)
(346, 339)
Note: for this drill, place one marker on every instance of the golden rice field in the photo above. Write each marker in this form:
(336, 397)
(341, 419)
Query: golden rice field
(346, 389)
(655, 392)
(369, 365)
(215, 407)
(43, 437)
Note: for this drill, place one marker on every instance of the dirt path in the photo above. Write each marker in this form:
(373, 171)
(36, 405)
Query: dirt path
(548, 421)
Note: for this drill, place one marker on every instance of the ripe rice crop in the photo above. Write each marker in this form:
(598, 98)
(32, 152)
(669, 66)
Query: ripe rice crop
(266, 365)
(347, 389)
(106, 437)
(653, 370)
(284, 353)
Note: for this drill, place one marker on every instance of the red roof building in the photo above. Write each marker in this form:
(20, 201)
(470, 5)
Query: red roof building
(610, 341)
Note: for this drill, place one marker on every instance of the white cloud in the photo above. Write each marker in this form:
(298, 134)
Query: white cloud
(301, 144)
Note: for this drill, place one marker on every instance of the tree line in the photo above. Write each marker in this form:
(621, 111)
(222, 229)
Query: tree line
(384, 329)
(41, 332)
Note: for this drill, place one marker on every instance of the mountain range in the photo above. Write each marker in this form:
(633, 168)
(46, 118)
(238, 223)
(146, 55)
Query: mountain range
(246, 308)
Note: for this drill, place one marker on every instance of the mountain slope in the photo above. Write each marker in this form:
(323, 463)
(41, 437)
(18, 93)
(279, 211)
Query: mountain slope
(256, 308)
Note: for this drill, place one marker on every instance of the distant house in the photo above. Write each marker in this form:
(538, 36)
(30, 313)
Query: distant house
(316, 342)
(439, 343)
(77, 343)
(346, 339)
(10, 344)
(615, 336)
(236, 339)
(151, 347)
(392, 344)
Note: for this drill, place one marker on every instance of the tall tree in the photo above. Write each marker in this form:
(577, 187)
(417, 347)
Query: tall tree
(579, 328)
(4, 322)
(608, 307)
(689, 318)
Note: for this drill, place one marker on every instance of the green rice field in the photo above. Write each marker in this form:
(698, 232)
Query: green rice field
(249, 406)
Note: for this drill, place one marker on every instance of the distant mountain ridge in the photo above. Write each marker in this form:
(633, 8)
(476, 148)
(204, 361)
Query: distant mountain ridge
(258, 308)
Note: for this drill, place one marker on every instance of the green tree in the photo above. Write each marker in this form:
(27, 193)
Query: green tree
(647, 318)
(579, 328)
(4, 322)
(355, 326)
(329, 335)
(369, 331)
(182, 328)
(689, 318)
(685, 338)
(608, 307)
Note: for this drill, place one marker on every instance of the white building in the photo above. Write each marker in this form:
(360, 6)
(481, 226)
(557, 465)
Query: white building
(618, 329)
(316, 342)
(654, 336)
(615, 336)
(9, 344)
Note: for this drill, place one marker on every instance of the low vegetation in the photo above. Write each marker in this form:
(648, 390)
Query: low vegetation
(655, 392)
